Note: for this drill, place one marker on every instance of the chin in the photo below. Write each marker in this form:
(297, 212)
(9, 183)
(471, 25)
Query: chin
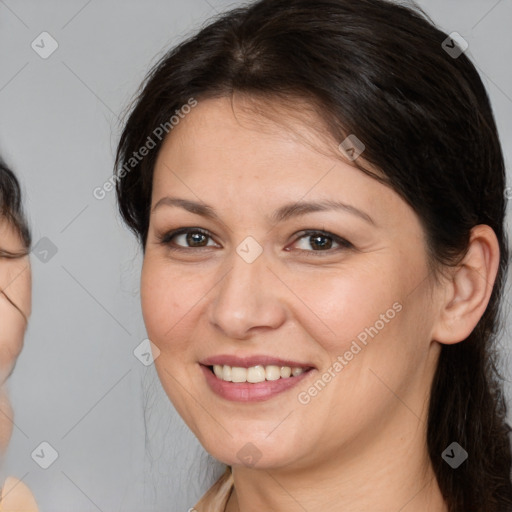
(256, 453)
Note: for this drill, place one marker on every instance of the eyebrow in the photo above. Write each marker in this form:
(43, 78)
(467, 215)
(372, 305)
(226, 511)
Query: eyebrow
(283, 213)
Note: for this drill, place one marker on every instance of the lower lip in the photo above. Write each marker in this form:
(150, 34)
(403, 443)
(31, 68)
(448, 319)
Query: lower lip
(247, 392)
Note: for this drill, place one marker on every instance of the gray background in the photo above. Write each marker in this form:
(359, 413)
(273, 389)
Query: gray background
(77, 384)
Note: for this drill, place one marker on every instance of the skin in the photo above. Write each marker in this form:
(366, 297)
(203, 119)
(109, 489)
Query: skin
(15, 282)
(360, 443)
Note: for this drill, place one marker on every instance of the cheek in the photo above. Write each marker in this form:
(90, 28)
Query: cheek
(341, 305)
(15, 276)
(381, 320)
(367, 318)
(16, 281)
(168, 300)
(6, 425)
(11, 337)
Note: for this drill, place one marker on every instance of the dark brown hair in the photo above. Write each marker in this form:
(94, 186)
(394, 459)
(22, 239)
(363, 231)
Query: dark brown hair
(11, 210)
(378, 70)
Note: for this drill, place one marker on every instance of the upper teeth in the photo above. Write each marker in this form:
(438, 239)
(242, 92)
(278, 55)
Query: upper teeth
(254, 374)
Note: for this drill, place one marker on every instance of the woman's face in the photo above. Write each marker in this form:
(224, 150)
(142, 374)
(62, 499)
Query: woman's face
(258, 291)
(15, 283)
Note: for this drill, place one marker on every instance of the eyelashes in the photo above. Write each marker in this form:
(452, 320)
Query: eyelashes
(198, 235)
(321, 234)
(12, 255)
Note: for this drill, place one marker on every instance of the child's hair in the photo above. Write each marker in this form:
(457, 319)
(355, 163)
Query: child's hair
(11, 211)
(11, 208)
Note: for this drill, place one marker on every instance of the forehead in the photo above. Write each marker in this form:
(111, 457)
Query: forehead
(245, 153)
(242, 138)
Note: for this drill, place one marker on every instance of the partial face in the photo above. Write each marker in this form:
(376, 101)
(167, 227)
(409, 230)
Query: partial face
(254, 289)
(15, 282)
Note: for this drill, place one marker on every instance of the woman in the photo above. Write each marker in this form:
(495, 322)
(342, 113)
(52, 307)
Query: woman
(15, 308)
(318, 187)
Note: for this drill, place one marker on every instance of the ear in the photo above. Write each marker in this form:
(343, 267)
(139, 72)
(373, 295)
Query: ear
(468, 289)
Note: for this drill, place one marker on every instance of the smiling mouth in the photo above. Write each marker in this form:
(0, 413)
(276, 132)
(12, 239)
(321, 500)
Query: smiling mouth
(256, 374)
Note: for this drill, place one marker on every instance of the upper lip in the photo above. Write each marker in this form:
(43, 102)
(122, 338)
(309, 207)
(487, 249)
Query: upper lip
(246, 362)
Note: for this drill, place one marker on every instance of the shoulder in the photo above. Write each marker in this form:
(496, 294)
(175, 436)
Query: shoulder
(15, 496)
(217, 496)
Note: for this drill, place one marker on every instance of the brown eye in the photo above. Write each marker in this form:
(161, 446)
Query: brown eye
(186, 238)
(320, 241)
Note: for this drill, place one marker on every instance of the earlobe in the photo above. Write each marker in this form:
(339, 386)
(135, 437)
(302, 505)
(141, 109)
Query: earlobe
(469, 288)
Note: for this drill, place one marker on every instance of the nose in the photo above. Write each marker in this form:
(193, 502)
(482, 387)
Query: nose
(248, 299)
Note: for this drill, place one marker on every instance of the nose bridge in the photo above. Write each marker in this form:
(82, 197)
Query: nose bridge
(244, 298)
